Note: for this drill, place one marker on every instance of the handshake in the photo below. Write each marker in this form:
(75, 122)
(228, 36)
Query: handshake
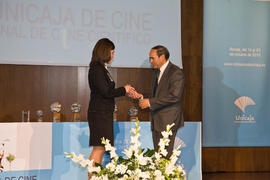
(132, 93)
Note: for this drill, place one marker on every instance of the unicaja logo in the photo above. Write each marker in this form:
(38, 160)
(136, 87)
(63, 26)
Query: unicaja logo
(242, 102)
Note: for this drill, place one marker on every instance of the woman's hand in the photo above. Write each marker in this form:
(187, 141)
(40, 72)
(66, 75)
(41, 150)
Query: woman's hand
(132, 93)
(129, 89)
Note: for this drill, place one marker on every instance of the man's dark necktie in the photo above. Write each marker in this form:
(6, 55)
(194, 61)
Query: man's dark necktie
(157, 71)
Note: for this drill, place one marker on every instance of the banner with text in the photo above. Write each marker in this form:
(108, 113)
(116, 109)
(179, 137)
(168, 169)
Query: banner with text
(236, 73)
(74, 137)
(65, 32)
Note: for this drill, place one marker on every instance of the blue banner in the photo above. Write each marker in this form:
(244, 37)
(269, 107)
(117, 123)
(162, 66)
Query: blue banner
(74, 137)
(236, 73)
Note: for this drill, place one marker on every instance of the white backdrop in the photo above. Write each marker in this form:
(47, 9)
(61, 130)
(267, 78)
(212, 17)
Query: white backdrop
(64, 32)
(29, 143)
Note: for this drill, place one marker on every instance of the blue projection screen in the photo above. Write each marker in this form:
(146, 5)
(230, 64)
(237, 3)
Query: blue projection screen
(64, 32)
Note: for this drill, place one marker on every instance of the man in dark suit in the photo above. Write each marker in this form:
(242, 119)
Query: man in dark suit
(166, 96)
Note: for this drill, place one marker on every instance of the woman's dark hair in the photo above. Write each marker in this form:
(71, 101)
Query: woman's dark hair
(102, 51)
(162, 50)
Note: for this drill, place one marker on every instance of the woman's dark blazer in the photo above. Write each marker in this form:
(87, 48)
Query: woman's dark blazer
(103, 89)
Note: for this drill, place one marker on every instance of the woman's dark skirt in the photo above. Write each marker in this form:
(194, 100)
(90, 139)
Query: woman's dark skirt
(100, 125)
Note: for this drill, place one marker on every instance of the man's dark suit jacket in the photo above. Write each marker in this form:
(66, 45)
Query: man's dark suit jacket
(166, 104)
(103, 89)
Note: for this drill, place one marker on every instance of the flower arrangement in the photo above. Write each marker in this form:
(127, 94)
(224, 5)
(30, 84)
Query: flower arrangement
(137, 164)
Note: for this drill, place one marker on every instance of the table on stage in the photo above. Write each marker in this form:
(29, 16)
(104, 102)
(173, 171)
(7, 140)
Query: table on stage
(38, 148)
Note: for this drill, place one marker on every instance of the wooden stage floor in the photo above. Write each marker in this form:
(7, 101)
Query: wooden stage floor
(237, 176)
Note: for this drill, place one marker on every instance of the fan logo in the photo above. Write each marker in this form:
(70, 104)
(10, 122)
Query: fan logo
(242, 102)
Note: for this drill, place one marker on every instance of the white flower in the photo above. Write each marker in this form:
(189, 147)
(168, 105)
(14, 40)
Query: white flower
(137, 144)
(180, 169)
(169, 126)
(166, 134)
(158, 175)
(141, 159)
(160, 178)
(166, 142)
(169, 169)
(173, 159)
(121, 169)
(161, 144)
(77, 159)
(134, 131)
(111, 166)
(125, 177)
(107, 141)
(158, 156)
(96, 178)
(134, 139)
(113, 154)
(104, 177)
(93, 169)
(129, 172)
(138, 172)
(141, 166)
(128, 153)
(164, 152)
(108, 147)
(145, 175)
(152, 166)
(96, 169)
(176, 152)
(86, 162)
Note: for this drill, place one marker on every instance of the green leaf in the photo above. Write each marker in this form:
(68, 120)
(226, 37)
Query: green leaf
(149, 152)
(122, 160)
(100, 165)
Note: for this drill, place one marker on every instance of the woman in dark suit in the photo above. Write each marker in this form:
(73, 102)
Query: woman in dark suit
(103, 92)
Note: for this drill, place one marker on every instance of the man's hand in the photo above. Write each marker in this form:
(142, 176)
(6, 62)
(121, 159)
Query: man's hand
(144, 103)
(134, 94)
